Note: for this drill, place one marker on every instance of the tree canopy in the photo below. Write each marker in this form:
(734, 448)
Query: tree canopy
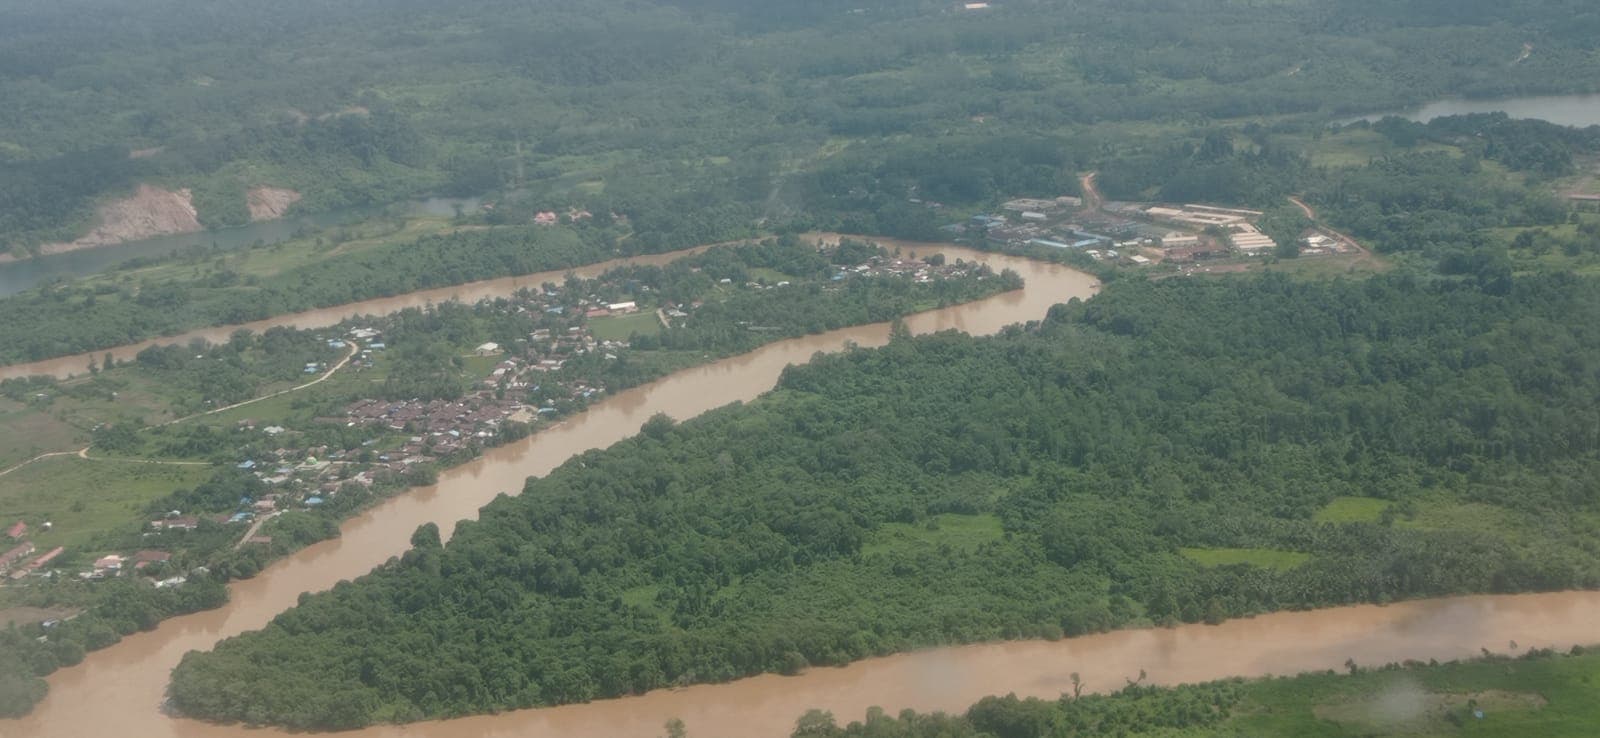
(1051, 481)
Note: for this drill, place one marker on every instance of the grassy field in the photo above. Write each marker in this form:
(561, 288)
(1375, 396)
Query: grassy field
(478, 367)
(1337, 265)
(1549, 251)
(297, 408)
(85, 498)
(1305, 267)
(1548, 697)
(1354, 148)
(1440, 513)
(267, 261)
(1265, 558)
(772, 276)
(964, 532)
(63, 419)
(26, 433)
(621, 327)
(1352, 510)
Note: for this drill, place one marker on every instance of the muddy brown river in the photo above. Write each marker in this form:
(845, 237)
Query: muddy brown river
(118, 691)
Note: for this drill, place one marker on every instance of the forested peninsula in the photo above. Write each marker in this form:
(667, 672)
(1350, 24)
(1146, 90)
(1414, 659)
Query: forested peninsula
(1181, 450)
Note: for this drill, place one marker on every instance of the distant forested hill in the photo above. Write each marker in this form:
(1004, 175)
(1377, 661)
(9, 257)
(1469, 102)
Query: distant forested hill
(1184, 450)
(661, 108)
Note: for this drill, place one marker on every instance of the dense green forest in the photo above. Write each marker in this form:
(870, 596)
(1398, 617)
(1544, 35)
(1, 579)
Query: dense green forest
(694, 114)
(1540, 693)
(1074, 476)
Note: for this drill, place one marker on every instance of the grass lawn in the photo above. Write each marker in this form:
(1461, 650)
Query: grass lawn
(478, 367)
(1352, 510)
(964, 532)
(85, 498)
(1265, 558)
(622, 327)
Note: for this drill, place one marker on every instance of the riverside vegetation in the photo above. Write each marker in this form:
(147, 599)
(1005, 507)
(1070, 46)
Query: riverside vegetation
(1055, 480)
(1540, 693)
(731, 304)
(1171, 452)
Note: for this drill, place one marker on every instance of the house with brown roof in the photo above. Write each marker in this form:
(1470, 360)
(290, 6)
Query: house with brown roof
(10, 558)
(36, 563)
(146, 558)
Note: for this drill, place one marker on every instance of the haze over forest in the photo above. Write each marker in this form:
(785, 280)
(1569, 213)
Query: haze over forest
(1101, 318)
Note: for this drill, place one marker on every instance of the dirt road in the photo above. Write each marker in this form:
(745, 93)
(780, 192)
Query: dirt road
(1347, 241)
(354, 349)
(254, 528)
(1092, 200)
(42, 457)
(1311, 213)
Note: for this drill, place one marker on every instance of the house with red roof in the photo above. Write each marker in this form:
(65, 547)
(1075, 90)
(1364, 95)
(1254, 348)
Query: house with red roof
(18, 531)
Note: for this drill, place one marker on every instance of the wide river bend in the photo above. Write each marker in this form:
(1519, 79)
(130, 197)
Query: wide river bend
(118, 691)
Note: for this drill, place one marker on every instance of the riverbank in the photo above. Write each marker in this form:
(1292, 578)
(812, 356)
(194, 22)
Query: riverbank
(1523, 692)
(1578, 110)
(384, 530)
(68, 366)
(762, 706)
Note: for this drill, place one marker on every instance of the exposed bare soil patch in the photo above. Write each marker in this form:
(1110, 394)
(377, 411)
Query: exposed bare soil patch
(270, 203)
(149, 212)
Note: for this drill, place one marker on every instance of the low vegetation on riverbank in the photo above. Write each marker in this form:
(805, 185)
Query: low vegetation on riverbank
(163, 508)
(1159, 454)
(1540, 693)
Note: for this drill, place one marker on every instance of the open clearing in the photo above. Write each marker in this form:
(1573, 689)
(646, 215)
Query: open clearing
(621, 327)
(1265, 558)
(1352, 510)
(84, 498)
(964, 532)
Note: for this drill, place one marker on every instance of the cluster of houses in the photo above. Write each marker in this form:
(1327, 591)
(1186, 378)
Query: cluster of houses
(443, 427)
(526, 382)
(1136, 233)
(112, 565)
(915, 270)
(19, 559)
(306, 477)
(550, 217)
